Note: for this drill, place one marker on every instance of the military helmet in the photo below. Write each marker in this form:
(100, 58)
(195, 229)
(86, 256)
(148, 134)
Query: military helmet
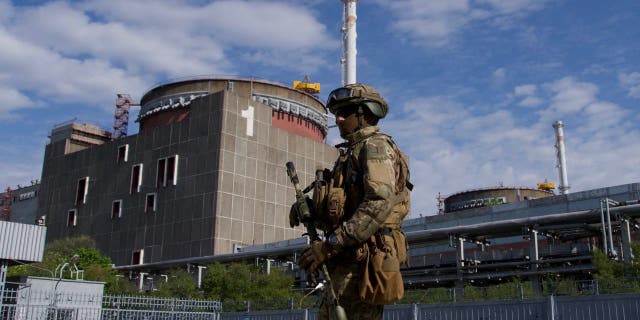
(357, 94)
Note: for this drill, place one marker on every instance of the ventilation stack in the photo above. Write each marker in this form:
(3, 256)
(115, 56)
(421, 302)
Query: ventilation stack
(562, 160)
(349, 35)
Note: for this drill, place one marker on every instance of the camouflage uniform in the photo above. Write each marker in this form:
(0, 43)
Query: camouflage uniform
(373, 173)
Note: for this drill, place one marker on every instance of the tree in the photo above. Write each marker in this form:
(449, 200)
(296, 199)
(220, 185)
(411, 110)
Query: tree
(236, 283)
(96, 266)
(180, 284)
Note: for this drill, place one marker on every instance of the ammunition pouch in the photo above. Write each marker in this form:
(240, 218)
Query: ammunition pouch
(381, 280)
(381, 256)
(335, 206)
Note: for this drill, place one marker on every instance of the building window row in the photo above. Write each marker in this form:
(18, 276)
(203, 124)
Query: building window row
(138, 257)
(82, 190)
(123, 153)
(116, 209)
(72, 218)
(167, 173)
(151, 203)
(136, 178)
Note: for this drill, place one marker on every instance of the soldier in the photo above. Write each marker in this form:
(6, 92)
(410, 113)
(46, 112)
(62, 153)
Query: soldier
(361, 209)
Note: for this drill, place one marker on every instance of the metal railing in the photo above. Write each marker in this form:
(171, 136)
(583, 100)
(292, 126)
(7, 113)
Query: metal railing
(26, 304)
(512, 291)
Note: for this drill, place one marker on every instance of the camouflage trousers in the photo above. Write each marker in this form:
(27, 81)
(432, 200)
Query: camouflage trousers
(345, 278)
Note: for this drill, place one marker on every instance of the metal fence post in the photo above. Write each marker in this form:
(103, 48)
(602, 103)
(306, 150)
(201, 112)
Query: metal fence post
(552, 307)
(521, 291)
(415, 311)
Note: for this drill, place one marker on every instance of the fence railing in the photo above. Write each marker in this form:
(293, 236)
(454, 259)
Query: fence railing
(597, 307)
(32, 304)
(500, 292)
(25, 303)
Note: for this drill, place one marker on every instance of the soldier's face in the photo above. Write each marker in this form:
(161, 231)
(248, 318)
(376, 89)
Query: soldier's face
(347, 122)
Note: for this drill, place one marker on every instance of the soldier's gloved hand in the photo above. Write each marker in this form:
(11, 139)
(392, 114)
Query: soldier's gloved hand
(315, 255)
(294, 217)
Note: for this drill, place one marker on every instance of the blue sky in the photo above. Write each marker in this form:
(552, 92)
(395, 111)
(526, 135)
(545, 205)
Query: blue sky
(473, 85)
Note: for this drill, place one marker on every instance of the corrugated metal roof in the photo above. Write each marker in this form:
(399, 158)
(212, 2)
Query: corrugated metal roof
(23, 242)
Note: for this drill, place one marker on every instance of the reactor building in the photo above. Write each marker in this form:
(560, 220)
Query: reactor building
(204, 176)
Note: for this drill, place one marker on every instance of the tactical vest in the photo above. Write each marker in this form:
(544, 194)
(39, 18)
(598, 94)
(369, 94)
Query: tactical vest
(337, 199)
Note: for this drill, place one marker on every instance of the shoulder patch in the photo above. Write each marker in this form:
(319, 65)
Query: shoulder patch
(378, 148)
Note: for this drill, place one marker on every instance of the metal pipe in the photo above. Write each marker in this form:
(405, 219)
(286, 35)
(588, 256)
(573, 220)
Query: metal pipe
(611, 247)
(562, 161)
(349, 36)
(604, 229)
(626, 241)
(513, 226)
(495, 228)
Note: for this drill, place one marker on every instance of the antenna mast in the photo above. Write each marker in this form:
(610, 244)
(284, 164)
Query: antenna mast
(349, 35)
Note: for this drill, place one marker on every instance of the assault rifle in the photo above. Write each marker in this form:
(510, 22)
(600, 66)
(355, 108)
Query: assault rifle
(306, 218)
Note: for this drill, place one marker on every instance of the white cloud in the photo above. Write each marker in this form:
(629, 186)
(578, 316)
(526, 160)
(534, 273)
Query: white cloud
(433, 23)
(631, 81)
(84, 52)
(499, 74)
(528, 92)
(453, 147)
(63, 79)
(12, 99)
(571, 96)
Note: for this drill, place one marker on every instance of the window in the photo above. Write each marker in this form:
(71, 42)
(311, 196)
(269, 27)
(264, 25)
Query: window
(167, 171)
(150, 203)
(116, 209)
(72, 218)
(123, 153)
(82, 191)
(136, 178)
(138, 257)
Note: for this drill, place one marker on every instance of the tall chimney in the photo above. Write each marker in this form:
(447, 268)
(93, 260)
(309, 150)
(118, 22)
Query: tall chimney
(562, 159)
(349, 35)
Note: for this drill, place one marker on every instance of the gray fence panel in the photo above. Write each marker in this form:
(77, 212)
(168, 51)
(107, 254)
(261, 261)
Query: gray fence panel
(398, 312)
(266, 315)
(603, 307)
(313, 314)
(496, 310)
(115, 314)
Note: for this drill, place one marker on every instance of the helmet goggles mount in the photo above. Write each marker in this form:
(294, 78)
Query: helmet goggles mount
(356, 95)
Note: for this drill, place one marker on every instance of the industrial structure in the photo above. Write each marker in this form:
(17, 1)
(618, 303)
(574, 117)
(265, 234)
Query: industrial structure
(204, 181)
(19, 243)
(349, 35)
(205, 174)
(20, 204)
(562, 158)
(487, 197)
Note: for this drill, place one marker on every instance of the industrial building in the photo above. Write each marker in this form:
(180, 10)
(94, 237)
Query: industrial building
(205, 175)
(487, 197)
(20, 204)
